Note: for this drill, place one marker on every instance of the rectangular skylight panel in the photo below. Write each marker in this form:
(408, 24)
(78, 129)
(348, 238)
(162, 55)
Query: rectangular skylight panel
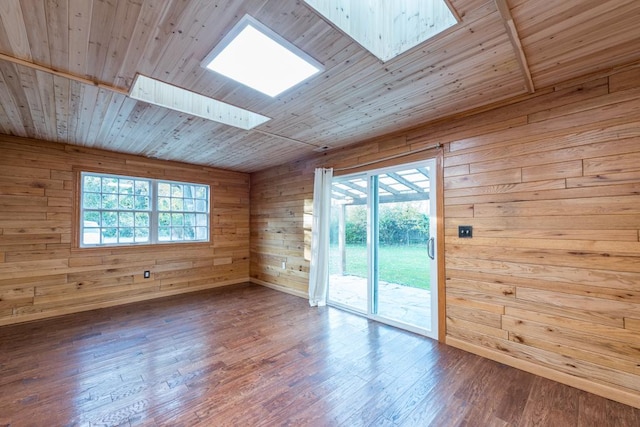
(168, 96)
(387, 28)
(257, 57)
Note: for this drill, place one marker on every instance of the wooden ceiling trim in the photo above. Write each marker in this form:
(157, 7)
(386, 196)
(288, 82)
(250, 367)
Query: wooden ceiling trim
(512, 31)
(466, 9)
(453, 10)
(66, 75)
(286, 138)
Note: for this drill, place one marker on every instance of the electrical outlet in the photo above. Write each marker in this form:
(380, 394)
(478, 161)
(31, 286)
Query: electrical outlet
(465, 231)
(147, 274)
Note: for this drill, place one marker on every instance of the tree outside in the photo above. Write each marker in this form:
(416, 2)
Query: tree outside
(403, 237)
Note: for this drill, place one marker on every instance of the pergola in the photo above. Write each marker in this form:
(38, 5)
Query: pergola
(404, 186)
(392, 187)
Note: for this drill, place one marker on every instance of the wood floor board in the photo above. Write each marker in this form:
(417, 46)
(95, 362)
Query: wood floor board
(595, 411)
(249, 355)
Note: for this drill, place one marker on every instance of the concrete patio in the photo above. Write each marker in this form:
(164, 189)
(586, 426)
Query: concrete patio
(401, 303)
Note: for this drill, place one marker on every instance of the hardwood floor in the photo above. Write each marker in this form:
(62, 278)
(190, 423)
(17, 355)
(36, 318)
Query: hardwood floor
(251, 356)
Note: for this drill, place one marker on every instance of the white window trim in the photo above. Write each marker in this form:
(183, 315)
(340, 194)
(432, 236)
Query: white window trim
(153, 212)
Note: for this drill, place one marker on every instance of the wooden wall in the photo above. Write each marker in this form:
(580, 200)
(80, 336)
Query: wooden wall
(43, 272)
(281, 206)
(550, 282)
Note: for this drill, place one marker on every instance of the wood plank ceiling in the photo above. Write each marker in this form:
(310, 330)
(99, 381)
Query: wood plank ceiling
(484, 59)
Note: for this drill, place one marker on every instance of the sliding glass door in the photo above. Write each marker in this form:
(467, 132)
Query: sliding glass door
(348, 256)
(383, 257)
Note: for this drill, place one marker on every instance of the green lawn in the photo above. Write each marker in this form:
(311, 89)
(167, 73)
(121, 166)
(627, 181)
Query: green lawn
(404, 265)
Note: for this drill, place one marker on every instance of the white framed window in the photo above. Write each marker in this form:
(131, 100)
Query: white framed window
(120, 210)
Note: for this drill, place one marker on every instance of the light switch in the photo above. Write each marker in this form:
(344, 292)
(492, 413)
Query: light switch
(465, 231)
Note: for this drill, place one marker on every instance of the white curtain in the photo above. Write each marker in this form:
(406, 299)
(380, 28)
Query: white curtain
(319, 267)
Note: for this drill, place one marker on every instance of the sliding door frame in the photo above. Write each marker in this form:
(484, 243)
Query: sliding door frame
(411, 159)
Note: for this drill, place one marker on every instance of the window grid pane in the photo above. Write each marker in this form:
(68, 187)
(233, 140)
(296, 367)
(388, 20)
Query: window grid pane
(108, 203)
(118, 210)
(178, 204)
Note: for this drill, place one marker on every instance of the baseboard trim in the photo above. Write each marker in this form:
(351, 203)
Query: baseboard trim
(280, 288)
(117, 302)
(622, 396)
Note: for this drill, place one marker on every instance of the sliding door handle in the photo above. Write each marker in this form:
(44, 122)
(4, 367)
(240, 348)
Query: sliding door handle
(431, 248)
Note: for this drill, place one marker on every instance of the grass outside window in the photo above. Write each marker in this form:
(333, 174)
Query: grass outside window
(406, 265)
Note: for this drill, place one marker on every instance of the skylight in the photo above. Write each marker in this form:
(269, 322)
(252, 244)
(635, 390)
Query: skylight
(165, 95)
(387, 28)
(257, 57)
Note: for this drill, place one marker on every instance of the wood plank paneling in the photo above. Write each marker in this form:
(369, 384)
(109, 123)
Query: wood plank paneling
(43, 273)
(551, 278)
(78, 44)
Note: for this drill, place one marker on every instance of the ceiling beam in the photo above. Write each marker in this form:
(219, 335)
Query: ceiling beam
(286, 138)
(69, 76)
(356, 187)
(115, 89)
(424, 171)
(388, 189)
(509, 25)
(406, 183)
(391, 198)
(453, 10)
(343, 192)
